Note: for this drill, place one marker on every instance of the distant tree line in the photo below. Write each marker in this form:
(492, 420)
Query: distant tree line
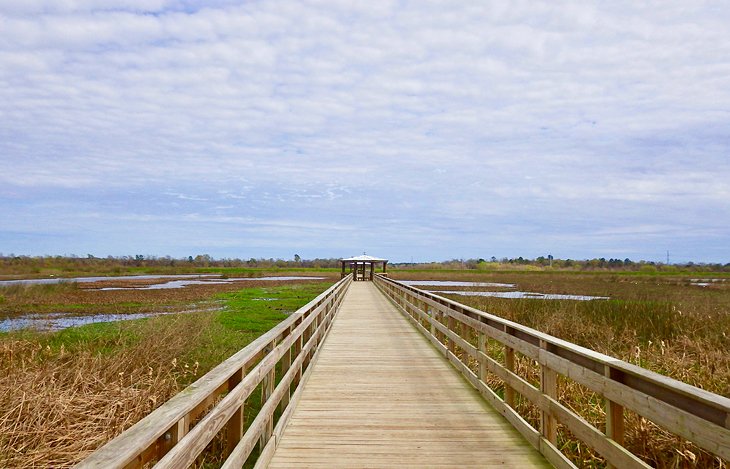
(549, 262)
(73, 263)
(11, 263)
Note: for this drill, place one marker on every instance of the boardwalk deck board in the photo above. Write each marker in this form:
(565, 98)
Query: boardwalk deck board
(381, 396)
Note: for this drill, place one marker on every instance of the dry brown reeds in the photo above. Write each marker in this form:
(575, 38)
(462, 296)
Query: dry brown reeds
(57, 405)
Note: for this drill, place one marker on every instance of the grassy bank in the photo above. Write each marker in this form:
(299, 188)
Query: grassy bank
(64, 394)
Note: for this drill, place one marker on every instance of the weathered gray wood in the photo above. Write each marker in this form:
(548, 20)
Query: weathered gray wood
(133, 446)
(286, 362)
(197, 439)
(692, 413)
(234, 427)
(260, 424)
(549, 387)
(509, 364)
(711, 437)
(242, 451)
(654, 382)
(267, 390)
(380, 396)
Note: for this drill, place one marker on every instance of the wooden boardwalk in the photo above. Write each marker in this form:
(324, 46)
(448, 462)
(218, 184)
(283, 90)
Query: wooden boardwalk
(380, 395)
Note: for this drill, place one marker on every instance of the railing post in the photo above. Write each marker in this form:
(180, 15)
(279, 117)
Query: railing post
(482, 347)
(424, 318)
(298, 345)
(306, 335)
(171, 437)
(434, 318)
(286, 361)
(267, 389)
(439, 316)
(614, 416)
(315, 327)
(451, 326)
(509, 364)
(234, 427)
(549, 387)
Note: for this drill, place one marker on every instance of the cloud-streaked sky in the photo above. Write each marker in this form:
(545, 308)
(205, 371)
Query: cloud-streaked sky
(423, 130)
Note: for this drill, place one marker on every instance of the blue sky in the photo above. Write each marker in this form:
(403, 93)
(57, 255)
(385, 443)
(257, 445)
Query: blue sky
(424, 130)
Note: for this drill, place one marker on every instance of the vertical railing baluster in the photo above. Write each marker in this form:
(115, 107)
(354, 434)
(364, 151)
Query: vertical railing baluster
(482, 347)
(267, 389)
(614, 416)
(509, 364)
(549, 387)
(234, 427)
(451, 326)
(286, 362)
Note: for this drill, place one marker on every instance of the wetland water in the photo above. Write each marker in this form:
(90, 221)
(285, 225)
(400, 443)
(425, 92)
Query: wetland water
(179, 282)
(57, 321)
(51, 281)
(60, 320)
(512, 294)
(172, 284)
(521, 295)
(453, 283)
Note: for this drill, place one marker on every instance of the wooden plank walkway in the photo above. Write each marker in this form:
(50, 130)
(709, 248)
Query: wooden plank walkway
(380, 395)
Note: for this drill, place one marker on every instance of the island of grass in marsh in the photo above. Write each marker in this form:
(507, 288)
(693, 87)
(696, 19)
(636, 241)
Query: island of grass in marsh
(64, 394)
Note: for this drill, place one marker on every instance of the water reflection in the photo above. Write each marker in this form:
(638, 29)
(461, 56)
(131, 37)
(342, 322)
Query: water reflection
(50, 281)
(452, 283)
(705, 282)
(184, 283)
(179, 281)
(522, 295)
(57, 321)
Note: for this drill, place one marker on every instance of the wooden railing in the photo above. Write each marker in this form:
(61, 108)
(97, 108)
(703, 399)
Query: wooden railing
(176, 433)
(467, 337)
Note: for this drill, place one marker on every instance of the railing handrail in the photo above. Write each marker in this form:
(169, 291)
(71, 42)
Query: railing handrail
(164, 422)
(722, 403)
(695, 414)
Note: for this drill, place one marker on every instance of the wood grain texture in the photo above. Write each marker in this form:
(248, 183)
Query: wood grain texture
(380, 395)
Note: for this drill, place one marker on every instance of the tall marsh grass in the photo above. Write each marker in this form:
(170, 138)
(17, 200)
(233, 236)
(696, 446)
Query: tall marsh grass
(58, 404)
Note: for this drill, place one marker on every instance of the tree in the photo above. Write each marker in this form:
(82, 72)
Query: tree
(297, 259)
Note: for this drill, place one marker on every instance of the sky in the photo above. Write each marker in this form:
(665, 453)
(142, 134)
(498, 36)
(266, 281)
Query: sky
(412, 130)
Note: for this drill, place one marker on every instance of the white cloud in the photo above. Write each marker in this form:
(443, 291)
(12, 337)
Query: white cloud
(434, 113)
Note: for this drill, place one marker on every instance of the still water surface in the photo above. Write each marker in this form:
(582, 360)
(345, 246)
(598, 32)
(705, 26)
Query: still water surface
(58, 321)
(497, 294)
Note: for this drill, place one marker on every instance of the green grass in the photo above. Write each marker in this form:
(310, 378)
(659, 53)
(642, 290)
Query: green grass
(259, 309)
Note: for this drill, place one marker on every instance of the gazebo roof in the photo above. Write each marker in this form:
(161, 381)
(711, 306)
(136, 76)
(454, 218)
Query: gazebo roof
(364, 258)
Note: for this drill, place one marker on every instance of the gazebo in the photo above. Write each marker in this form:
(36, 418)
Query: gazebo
(359, 266)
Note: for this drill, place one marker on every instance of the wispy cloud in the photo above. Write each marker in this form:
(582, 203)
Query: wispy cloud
(424, 129)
